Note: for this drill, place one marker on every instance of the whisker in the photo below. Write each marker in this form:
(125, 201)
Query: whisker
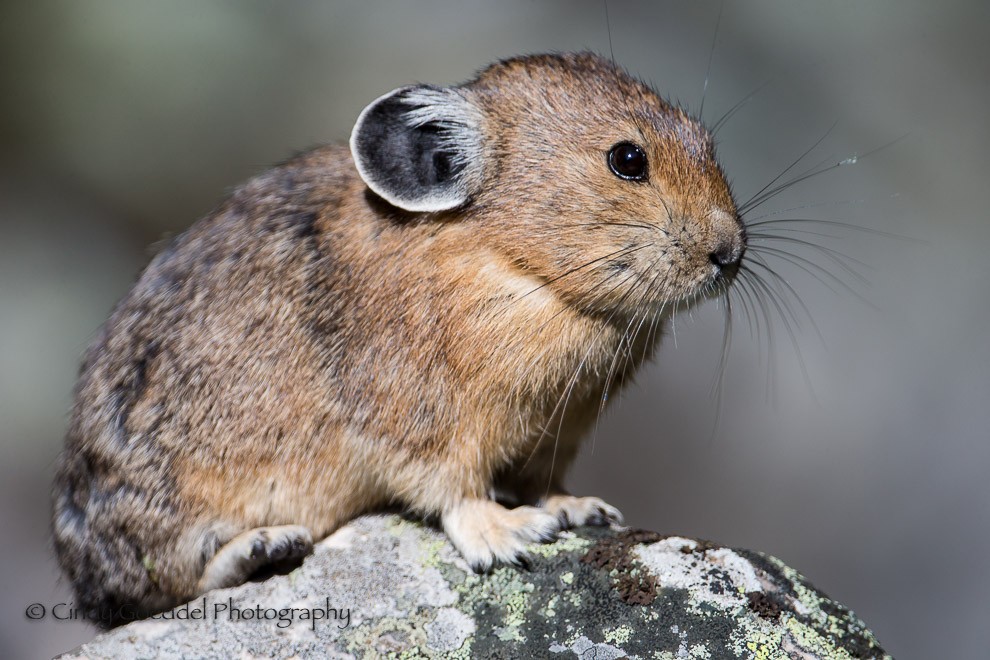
(726, 339)
(839, 258)
(608, 27)
(788, 168)
(623, 252)
(570, 387)
(611, 374)
(600, 296)
(764, 197)
(810, 267)
(711, 57)
(810, 173)
(738, 106)
(626, 338)
(740, 291)
(764, 310)
(774, 300)
(833, 223)
(762, 233)
(801, 207)
(610, 224)
(783, 282)
(718, 385)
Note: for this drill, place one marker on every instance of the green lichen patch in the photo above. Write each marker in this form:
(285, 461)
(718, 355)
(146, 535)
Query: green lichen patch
(533, 613)
(567, 543)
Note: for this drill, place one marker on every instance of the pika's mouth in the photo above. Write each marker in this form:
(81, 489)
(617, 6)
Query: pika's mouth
(715, 283)
(725, 275)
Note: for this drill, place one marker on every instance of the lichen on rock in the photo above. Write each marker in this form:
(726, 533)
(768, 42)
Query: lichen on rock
(387, 586)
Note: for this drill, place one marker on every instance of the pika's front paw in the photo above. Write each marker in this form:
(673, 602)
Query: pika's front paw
(577, 511)
(253, 551)
(487, 533)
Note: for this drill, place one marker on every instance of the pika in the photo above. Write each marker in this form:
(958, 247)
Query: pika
(429, 318)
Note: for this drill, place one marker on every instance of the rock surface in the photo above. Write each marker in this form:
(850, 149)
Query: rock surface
(384, 585)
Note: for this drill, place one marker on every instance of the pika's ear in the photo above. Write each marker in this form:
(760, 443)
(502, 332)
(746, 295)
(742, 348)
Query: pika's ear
(419, 148)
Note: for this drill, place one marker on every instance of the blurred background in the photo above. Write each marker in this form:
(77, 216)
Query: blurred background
(122, 122)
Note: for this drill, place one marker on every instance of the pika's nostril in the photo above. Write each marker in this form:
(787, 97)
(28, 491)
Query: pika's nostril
(725, 255)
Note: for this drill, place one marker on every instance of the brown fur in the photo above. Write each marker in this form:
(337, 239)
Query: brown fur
(308, 352)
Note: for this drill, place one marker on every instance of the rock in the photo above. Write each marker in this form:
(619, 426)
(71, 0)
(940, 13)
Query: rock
(387, 585)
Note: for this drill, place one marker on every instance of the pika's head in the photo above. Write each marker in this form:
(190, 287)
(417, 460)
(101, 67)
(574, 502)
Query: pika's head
(580, 174)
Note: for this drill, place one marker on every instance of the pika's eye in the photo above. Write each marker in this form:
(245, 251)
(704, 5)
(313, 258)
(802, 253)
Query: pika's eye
(627, 161)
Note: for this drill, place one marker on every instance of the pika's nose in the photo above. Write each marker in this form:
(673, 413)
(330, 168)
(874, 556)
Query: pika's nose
(728, 240)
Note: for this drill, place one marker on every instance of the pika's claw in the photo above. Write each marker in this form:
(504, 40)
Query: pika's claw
(254, 550)
(577, 511)
(486, 533)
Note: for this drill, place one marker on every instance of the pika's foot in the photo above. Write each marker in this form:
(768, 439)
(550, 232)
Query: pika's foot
(253, 551)
(486, 533)
(577, 511)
